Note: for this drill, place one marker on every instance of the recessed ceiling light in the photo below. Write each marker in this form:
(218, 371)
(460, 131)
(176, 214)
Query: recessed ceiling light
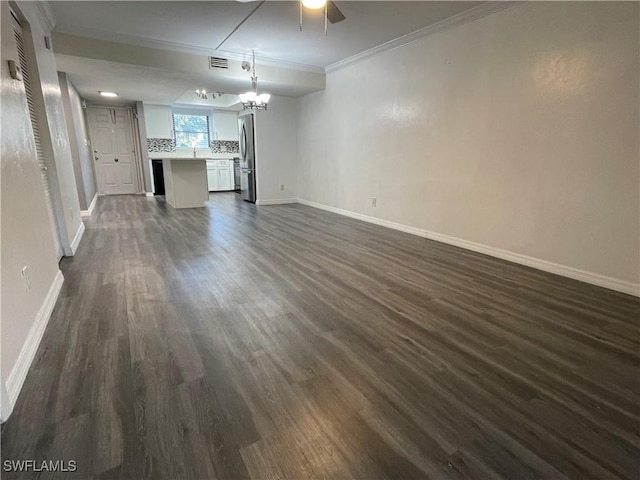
(108, 94)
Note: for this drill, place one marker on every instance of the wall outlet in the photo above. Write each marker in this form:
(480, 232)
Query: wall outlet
(374, 201)
(282, 188)
(26, 278)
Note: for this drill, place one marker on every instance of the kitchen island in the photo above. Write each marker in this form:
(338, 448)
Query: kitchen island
(185, 182)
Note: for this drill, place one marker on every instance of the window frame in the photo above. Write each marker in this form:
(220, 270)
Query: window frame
(199, 113)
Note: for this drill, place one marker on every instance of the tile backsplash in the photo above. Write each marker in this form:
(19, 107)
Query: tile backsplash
(169, 145)
(225, 146)
(161, 145)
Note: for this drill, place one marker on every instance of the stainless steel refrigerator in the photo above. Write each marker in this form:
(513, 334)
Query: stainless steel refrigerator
(247, 157)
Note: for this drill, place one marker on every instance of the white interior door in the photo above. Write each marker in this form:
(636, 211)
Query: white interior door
(113, 151)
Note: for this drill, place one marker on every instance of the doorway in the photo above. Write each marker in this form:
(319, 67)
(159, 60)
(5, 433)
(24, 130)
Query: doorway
(117, 165)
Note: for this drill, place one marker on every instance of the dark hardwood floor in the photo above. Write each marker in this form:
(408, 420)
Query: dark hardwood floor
(238, 341)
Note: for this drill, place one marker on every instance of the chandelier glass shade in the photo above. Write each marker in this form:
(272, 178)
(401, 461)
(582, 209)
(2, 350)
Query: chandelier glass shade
(254, 101)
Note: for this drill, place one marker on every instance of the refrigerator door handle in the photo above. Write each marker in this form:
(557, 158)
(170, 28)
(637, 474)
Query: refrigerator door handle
(243, 143)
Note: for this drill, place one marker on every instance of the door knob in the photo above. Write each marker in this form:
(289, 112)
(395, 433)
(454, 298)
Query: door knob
(96, 158)
(115, 160)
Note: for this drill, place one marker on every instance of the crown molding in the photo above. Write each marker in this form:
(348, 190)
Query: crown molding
(467, 16)
(108, 36)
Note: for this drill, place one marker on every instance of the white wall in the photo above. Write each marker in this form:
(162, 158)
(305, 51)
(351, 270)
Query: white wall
(517, 132)
(144, 154)
(54, 131)
(276, 151)
(83, 162)
(25, 229)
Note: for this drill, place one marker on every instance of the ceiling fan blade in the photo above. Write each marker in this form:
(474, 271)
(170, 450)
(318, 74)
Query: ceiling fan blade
(333, 12)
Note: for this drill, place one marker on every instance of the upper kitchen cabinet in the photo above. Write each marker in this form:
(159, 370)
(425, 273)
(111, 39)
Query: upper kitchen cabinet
(159, 121)
(226, 125)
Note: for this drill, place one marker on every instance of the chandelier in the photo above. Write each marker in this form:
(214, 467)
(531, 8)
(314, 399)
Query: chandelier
(252, 100)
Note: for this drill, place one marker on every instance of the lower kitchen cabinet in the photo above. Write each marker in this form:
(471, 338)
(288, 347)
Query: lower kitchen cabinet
(220, 175)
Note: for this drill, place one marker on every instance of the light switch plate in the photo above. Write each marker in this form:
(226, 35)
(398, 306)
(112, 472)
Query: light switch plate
(14, 70)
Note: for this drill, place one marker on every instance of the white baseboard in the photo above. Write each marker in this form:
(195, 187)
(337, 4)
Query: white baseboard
(277, 201)
(89, 211)
(5, 404)
(76, 239)
(149, 194)
(27, 353)
(570, 272)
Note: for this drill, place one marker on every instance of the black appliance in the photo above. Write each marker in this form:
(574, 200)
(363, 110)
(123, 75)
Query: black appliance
(236, 174)
(158, 177)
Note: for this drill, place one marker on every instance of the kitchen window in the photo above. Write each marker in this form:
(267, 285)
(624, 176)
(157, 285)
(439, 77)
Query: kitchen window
(191, 131)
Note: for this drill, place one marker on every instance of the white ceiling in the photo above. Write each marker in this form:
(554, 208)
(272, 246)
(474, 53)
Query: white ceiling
(198, 27)
(135, 82)
(273, 30)
(163, 86)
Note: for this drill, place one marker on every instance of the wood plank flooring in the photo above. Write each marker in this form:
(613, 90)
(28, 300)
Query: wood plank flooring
(279, 342)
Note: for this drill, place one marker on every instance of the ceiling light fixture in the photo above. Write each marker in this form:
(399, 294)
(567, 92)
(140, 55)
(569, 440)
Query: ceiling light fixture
(251, 100)
(108, 94)
(204, 95)
(332, 13)
(314, 4)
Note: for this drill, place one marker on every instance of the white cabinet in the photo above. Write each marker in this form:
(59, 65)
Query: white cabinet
(212, 178)
(220, 175)
(158, 121)
(226, 125)
(223, 178)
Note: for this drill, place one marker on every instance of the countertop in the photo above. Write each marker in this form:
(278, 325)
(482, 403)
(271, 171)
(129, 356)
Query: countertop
(188, 155)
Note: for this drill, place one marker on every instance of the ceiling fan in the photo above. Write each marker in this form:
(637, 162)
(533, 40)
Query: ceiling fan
(332, 12)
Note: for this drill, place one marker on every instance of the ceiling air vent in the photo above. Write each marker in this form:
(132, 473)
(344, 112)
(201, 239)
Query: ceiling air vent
(217, 62)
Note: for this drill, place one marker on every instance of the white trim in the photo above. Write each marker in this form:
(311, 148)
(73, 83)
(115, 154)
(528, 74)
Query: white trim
(28, 351)
(76, 239)
(277, 201)
(89, 211)
(126, 39)
(467, 16)
(5, 404)
(149, 194)
(544, 265)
